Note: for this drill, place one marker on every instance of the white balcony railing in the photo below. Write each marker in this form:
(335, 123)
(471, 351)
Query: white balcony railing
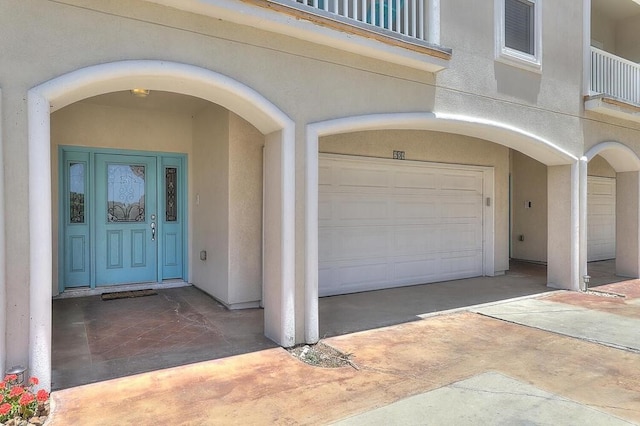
(405, 17)
(614, 76)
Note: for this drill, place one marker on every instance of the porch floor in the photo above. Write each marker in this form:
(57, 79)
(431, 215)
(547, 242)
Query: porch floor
(96, 340)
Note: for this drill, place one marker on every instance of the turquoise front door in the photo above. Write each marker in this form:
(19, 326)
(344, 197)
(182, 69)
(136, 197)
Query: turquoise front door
(126, 219)
(122, 218)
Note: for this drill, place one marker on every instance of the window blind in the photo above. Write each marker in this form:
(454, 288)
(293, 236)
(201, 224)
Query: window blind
(519, 26)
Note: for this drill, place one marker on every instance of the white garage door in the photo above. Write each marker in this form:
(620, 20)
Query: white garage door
(385, 223)
(601, 218)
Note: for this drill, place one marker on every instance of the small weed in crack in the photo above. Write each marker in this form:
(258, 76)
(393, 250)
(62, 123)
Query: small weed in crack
(322, 355)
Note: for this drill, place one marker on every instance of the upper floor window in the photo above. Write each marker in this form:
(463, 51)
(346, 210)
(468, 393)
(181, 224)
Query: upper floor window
(519, 32)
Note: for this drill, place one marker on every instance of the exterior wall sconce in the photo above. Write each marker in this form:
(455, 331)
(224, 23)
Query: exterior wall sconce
(585, 280)
(18, 370)
(140, 93)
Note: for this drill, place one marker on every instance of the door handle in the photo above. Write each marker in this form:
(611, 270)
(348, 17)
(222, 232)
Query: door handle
(153, 231)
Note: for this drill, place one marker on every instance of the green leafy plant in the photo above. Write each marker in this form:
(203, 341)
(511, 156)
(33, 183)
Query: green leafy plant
(20, 400)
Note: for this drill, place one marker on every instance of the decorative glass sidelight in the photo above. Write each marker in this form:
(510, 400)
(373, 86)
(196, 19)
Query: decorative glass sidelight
(171, 185)
(125, 193)
(76, 192)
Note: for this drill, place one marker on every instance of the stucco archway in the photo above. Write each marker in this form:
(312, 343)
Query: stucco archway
(185, 79)
(626, 164)
(546, 152)
(621, 157)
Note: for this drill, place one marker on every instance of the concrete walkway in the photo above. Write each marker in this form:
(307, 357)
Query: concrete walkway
(503, 401)
(460, 368)
(575, 321)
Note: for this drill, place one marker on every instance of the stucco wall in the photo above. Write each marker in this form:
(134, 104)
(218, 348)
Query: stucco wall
(98, 126)
(619, 37)
(528, 184)
(245, 211)
(598, 166)
(508, 91)
(227, 211)
(442, 148)
(628, 38)
(211, 205)
(603, 30)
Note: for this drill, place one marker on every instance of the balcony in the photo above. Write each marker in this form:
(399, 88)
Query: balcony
(614, 85)
(614, 80)
(406, 19)
(405, 32)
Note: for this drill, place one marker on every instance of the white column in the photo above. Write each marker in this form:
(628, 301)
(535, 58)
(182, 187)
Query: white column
(3, 283)
(279, 250)
(40, 243)
(563, 226)
(311, 321)
(583, 164)
(628, 224)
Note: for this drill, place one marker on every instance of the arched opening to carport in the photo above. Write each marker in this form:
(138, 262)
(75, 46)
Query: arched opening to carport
(612, 210)
(561, 173)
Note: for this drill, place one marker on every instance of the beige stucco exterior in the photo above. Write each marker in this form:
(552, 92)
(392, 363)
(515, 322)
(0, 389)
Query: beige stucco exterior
(227, 207)
(280, 89)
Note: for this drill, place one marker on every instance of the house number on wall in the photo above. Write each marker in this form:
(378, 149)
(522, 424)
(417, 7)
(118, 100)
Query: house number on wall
(398, 155)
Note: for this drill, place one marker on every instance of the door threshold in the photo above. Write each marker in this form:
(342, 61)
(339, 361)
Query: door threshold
(86, 291)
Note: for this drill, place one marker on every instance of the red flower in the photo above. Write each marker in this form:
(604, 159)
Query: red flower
(26, 398)
(33, 381)
(10, 378)
(5, 408)
(42, 395)
(3, 385)
(15, 391)
(1, 397)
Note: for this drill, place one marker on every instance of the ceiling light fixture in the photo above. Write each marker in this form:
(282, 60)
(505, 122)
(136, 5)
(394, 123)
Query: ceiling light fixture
(140, 93)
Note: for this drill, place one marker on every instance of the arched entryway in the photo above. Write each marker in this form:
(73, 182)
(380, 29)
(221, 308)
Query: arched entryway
(278, 131)
(562, 172)
(623, 183)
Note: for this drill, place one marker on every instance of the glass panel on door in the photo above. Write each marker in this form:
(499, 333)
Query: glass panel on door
(125, 193)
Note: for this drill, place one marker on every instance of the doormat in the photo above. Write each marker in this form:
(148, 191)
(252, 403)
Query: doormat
(128, 294)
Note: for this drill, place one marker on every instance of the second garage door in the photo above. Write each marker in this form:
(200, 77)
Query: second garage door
(385, 223)
(601, 219)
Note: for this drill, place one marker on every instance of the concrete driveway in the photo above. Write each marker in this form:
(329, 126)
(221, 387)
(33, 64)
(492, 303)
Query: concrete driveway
(532, 362)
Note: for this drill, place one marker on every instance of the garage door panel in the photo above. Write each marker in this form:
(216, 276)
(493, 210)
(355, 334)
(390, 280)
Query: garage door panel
(606, 210)
(424, 226)
(601, 218)
(461, 237)
(461, 209)
(463, 264)
(359, 276)
(416, 211)
(326, 243)
(416, 180)
(324, 177)
(362, 210)
(362, 177)
(601, 188)
(467, 182)
(360, 243)
(415, 270)
(325, 211)
(415, 239)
